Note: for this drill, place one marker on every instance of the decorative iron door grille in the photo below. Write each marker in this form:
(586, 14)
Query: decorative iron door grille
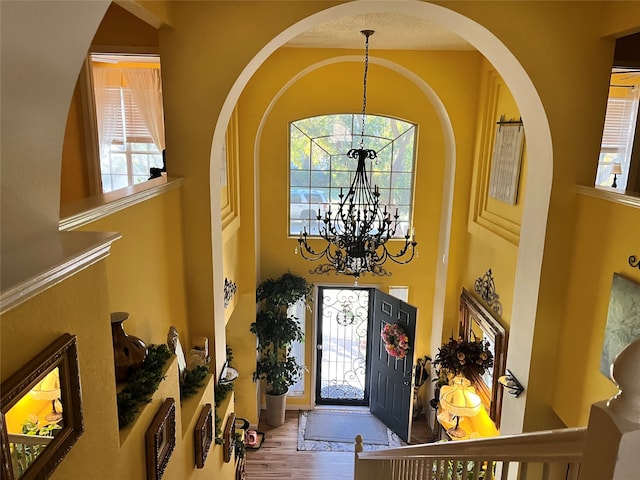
(342, 347)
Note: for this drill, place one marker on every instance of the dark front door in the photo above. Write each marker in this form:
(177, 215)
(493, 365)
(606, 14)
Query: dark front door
(390, 392)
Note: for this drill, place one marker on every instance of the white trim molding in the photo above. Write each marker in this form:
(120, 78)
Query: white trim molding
(610, 195)
(36, 266)
(89, 210)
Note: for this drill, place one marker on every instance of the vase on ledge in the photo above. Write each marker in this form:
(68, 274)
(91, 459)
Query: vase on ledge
(129, 351)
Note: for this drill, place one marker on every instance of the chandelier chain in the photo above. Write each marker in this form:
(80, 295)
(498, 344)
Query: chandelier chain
(367, 34)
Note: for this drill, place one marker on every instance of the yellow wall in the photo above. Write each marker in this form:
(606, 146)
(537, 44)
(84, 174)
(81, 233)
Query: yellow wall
(204, 53)
(143, 276)
(122, 29)
(119, 32)
(334, 89)
(146, 270)
(75, 176)
(494, 226)
(78, 306)
(243, 344)
(608, 235)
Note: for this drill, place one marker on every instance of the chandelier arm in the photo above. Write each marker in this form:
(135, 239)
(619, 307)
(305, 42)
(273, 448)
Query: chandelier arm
(402, 253)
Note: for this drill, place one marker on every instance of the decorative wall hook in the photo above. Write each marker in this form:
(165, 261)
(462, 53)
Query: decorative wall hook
(485, 287)
(230, 289)
(634, 261)
(511, 383)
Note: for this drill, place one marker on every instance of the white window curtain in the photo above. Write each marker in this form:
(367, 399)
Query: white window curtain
(106, 116)
(146, 88)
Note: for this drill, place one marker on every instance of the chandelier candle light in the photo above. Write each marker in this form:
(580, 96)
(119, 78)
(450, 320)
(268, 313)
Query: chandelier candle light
(357, 234)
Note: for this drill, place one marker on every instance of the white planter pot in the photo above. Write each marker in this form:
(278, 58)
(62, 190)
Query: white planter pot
(276, 405)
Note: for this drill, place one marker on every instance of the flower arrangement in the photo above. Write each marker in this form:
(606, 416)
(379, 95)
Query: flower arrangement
(396, 342)
(464, 357)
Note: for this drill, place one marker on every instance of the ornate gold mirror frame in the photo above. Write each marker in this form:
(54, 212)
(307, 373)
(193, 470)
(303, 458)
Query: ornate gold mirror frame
(477, 322)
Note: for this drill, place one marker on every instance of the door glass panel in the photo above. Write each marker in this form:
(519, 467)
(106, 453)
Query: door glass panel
(342, 352)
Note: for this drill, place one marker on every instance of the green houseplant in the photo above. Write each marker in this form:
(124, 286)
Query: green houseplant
(276, 331)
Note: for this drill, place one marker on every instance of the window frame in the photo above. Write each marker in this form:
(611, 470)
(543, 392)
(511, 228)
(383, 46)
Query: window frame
(92, 143)
(621, 122)
(128, 149)
(330, 190)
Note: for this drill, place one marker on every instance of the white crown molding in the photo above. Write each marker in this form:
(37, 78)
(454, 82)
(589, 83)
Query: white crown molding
(30, 269)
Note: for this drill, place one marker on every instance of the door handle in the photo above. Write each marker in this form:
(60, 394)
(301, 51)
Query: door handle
(406, 383)
(319, 346)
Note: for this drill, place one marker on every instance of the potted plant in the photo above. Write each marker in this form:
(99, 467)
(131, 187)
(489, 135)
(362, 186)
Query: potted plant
(276, 331)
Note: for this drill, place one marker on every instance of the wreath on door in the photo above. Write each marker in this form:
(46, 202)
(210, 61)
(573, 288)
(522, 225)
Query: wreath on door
(396, 342)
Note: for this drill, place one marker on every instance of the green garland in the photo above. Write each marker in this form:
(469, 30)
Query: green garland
(220, 392)
(240, 447)
(142, 384)
(192, 381)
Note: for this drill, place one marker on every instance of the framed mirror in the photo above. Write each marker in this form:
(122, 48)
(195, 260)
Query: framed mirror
(477, 322)
(41, 412)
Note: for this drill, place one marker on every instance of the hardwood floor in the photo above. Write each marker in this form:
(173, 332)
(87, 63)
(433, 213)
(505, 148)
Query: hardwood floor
(279, 459)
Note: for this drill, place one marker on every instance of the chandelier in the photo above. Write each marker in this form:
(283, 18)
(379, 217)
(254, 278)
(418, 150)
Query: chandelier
(358, 232)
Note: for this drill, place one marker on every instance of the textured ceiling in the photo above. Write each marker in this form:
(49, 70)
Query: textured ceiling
(392, 32)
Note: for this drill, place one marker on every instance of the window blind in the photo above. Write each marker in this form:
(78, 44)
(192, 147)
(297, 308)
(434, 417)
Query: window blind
(129, 128)
(617, 124)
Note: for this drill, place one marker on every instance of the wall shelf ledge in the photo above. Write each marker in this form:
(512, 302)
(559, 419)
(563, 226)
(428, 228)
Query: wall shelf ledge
(190, 407)
(631, 199)
(77, 214)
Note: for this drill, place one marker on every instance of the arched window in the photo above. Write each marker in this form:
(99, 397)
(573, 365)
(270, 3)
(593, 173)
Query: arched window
(319, 167)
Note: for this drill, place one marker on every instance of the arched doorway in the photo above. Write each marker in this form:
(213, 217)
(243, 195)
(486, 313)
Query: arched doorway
(538, 178)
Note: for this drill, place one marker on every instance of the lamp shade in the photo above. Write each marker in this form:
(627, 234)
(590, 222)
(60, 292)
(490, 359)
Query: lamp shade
(616, 169)
(48, 388)
(460, 400)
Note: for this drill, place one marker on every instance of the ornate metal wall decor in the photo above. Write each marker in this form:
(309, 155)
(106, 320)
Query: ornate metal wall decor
(634, 261)
(230, 289)
(345, 316)
(485, 287)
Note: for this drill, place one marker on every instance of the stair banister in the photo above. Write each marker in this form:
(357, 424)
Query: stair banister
(609, 449)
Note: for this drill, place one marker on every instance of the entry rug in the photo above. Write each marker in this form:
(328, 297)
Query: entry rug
(336, 430)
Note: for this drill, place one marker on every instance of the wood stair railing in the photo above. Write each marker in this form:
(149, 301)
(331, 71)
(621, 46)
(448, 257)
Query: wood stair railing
(555, 453)
(608, 449)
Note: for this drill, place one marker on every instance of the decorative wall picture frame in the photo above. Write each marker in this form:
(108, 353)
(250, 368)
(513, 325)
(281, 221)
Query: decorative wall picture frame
(506, 161)
(622, 325)
(229, 437)
(477, 322)
(49, 381)
(160, 439)
(203, 435)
